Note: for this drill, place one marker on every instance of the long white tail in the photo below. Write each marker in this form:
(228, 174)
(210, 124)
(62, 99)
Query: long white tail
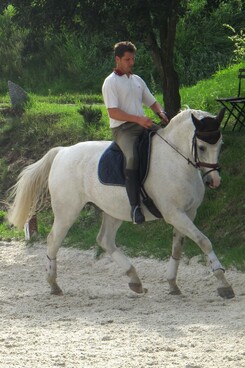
(30, 190)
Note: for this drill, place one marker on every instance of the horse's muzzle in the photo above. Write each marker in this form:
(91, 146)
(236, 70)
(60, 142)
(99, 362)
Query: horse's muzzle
(212, 177)
(212, 180)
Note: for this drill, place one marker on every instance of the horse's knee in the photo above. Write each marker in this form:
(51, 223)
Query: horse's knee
(205, 244)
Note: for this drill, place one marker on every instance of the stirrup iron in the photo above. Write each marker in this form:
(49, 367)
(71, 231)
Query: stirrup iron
(137, 215)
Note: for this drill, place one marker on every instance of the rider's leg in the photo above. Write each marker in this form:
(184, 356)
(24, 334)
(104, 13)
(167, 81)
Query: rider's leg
(127, 138)
(133, 189)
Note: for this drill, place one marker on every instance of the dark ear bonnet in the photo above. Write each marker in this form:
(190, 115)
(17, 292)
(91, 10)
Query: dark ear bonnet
(208, 128)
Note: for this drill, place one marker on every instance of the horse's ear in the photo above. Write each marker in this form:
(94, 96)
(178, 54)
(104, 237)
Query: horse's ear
(196, 122)
(220, 116)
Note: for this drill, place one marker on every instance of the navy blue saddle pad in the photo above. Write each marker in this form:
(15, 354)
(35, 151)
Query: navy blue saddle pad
(112, 163)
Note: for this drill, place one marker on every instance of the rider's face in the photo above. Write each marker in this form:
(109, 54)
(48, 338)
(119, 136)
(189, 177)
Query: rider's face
(126, 62)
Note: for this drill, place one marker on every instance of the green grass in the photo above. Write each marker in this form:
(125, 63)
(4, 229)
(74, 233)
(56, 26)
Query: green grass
(55, 120)
(7, 232)
(204, 94)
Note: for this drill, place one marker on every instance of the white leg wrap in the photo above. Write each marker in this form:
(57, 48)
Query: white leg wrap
(121, 260)
(51, 267)
(173, 265)
(215, 263)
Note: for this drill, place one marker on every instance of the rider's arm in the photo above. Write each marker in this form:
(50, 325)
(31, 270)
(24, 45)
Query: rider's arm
(158, 110)
(118, 114)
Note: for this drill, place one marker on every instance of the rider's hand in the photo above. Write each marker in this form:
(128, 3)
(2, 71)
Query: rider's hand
(164, 119)
(145, 122)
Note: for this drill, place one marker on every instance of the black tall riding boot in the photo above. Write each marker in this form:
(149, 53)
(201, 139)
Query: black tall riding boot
(133, 187)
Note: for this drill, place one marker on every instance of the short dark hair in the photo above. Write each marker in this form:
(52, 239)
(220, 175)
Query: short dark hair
(124, 46)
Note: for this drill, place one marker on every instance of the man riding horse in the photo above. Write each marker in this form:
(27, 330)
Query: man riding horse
(124, 94)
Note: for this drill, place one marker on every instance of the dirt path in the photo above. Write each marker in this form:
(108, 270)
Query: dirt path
(99, 322)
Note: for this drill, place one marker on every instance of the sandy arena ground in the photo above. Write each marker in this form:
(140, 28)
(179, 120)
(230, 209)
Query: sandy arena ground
(99, 322)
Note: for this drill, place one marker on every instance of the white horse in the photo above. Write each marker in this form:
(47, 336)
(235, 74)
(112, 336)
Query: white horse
(187, 148)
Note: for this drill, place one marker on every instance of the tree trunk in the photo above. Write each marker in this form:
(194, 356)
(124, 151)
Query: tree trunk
(170, 88)
(164, 59)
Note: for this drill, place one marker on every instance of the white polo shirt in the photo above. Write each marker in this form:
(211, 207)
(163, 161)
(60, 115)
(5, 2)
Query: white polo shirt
(126, 93)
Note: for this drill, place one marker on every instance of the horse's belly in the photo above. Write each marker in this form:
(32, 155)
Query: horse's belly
(111, 199)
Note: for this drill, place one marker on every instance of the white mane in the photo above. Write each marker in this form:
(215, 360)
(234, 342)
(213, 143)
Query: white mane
(186, 114)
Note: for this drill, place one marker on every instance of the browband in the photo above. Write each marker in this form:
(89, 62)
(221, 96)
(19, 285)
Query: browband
(207, 133)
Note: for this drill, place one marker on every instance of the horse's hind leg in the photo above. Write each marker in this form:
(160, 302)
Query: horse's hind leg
(106, 239)
(63, 220)
(178, 240)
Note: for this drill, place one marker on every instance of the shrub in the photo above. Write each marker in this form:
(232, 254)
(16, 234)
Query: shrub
(90, 114)
(238, 40)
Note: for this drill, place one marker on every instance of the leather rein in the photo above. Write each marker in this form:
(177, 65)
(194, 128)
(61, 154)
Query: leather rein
(197, 163)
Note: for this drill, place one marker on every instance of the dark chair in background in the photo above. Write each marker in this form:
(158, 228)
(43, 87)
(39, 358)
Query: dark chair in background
(235, 105)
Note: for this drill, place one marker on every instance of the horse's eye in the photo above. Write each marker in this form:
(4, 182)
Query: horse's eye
(201, 148)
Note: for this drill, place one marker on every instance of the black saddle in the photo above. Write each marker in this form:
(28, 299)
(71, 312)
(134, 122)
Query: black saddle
(112, 164)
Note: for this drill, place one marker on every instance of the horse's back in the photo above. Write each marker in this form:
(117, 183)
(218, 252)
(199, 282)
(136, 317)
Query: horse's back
(75, 167)
(81, 153)
(88, 148)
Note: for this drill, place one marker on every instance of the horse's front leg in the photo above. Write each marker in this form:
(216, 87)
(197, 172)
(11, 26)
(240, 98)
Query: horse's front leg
(185, 225)
(178, 240)
(106, 239)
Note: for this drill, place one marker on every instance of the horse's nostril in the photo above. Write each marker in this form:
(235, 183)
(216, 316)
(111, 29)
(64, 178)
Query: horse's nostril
(207, 180)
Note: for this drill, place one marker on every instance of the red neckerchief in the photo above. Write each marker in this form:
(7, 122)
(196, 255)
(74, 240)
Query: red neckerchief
(119, 72)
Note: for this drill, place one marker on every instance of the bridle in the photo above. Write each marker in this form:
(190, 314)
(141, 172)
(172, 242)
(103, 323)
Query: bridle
(204, 136)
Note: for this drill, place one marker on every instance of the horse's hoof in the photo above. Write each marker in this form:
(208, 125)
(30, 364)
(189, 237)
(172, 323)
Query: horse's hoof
(226, 292)
(175, 291)
(56, 290)
(137, 288)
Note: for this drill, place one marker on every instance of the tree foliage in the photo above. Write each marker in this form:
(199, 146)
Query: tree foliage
(151, 22)
(69, 44)
(202, 41)
(12, 39)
